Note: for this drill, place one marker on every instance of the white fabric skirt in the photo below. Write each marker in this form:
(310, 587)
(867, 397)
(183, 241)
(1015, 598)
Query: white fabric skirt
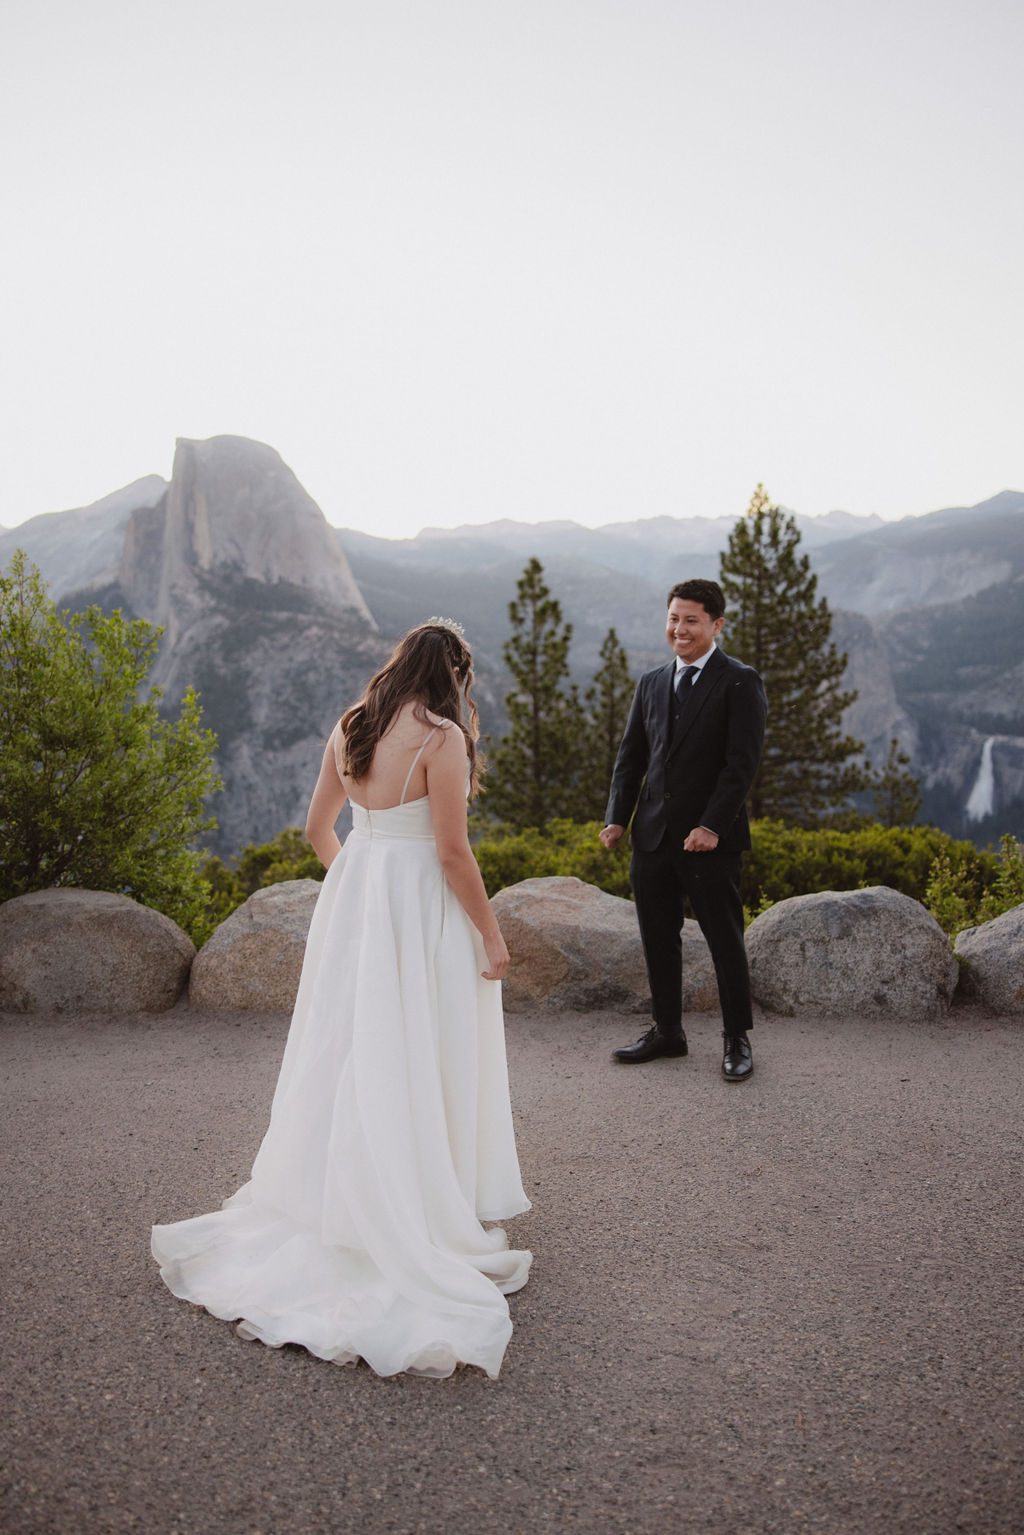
(358, 1234)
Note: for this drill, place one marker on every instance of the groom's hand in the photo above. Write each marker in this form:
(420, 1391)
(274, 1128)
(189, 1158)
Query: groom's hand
(610, 835)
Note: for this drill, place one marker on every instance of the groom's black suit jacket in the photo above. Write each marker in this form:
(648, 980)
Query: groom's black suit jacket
(698, 772)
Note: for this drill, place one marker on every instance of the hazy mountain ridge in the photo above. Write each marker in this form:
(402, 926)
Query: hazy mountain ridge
(640, 548)
(943, 557)
(81, 545)
(279, 619)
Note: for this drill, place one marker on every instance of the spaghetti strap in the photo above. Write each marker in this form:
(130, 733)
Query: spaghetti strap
(412, 765)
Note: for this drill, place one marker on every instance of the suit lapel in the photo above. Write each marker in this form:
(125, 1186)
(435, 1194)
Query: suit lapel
(713, 670)
(666, 698)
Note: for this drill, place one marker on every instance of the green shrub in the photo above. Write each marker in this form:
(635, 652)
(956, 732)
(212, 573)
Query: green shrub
(789, 860)
(1007, 889)
(98, 789)
(966, 894)
(959, 885)
(953, 894)
(784, 860)
(561, 848)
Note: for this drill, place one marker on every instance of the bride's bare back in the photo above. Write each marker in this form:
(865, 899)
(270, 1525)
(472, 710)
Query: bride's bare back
(439, 773)
(393, 757)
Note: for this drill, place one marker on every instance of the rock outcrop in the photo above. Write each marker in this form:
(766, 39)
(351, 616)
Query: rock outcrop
(871, 953)
(875, 716)
(254, 959)
(261, 615)
(89, 951)
(994, 956)
(577, 947)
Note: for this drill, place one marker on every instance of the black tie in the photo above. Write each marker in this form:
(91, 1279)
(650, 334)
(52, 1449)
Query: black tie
(683, 683)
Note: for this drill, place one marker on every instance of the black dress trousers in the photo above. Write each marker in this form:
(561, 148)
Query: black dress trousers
(663, 880)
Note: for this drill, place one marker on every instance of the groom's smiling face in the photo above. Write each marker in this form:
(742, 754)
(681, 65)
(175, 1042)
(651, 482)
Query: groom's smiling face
(690, 629)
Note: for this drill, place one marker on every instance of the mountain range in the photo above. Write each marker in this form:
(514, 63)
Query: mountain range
(278, 619)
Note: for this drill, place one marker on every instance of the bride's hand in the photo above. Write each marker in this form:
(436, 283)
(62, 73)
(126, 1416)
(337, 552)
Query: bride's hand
(497, 959)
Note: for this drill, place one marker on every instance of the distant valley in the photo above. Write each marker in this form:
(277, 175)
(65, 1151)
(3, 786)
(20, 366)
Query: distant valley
(279, 619)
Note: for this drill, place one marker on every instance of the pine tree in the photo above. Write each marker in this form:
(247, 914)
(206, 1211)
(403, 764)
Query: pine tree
(777, 624)
(607, 702)
(896, 793)
(534, 769)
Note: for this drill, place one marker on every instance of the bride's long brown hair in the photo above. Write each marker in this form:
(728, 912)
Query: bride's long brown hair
(432, 665)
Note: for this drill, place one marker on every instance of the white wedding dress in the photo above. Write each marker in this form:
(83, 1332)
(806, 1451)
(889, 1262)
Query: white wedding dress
(358, 1234)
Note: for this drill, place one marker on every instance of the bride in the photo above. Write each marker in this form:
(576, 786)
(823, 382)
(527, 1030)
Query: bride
(358, 1233)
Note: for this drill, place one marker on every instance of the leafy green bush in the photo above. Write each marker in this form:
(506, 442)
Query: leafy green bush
(959, 885)
(1007, 889)
(953, 894)
(562, 848)
(784, 860)
(966, 894)
(790, 860)
(98, 791)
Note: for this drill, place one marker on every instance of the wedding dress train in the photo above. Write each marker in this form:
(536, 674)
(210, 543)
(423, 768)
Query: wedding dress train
(358, 1233)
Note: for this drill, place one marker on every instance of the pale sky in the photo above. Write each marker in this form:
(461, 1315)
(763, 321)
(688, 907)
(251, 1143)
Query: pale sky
(466, 259)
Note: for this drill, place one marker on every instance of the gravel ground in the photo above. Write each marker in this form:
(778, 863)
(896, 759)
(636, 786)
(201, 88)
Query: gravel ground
(792, 1304)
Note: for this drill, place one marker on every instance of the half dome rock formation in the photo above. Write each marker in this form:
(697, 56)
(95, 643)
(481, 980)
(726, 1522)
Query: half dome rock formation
(261, 615)
(233, 513)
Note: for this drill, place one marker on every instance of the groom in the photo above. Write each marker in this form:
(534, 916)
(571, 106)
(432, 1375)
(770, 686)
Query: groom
(688, 757)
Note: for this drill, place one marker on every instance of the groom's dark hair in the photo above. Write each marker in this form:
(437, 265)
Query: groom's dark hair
(708, 593)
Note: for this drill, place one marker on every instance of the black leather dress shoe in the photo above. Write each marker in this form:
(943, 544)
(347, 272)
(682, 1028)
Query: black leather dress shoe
(653, 1044)
(738, 1059)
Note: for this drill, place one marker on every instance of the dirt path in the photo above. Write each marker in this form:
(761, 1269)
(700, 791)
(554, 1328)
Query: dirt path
(792, 1304)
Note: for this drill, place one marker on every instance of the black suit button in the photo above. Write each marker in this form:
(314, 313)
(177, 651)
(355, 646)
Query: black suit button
(668, 794)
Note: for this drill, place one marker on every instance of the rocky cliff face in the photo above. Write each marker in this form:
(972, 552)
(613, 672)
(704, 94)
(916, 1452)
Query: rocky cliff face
(972, 783)
(958, 670)
(261, 615)
(876, 715)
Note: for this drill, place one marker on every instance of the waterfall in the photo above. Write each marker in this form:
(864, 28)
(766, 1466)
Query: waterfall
(981, 801)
